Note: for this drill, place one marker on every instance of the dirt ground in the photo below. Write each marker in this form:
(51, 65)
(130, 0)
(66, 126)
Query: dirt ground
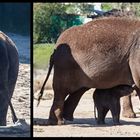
(84, 124)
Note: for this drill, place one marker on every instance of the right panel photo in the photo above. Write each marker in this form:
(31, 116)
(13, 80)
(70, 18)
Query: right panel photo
(86, 70)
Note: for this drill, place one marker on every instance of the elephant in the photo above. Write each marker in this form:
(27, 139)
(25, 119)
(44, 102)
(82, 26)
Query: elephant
(101, 54)
(109, 99)
(9, 61)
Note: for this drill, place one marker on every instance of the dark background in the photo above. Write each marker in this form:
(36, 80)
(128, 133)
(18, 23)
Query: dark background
(15, 18)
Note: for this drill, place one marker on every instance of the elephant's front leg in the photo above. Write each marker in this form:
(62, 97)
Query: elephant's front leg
(115, 110)
(102, 111)
(127, 108)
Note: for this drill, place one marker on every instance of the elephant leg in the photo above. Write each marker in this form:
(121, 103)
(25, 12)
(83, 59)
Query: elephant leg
(135, 68)
(4, 91)
(3, 86)
(55, 116)
(102, 111)
(3, 108)
(71, 103)
(115, 111)
(127, 110)
(8, 74)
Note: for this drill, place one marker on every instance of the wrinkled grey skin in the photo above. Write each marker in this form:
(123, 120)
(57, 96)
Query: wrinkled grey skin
(109, 99)
(102, 54)
(9, 66)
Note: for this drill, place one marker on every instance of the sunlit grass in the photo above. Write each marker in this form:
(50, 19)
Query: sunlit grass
(41, 55)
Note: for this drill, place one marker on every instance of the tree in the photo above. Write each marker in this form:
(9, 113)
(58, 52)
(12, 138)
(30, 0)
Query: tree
(135, 7)
(50, 19)
(44, 24)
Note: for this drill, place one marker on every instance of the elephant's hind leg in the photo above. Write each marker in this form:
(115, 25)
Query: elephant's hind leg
(56, 112)
(71, 103)
(3, 105)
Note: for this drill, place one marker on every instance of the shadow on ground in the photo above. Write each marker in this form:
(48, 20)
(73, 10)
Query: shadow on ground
(87, 122)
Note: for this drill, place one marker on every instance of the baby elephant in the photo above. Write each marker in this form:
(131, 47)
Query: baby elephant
(109, 99)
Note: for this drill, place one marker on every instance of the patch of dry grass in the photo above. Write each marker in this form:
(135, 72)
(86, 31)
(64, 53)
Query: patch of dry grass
(38, 82)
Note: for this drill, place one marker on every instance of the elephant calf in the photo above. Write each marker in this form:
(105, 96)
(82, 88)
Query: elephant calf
(109, 99)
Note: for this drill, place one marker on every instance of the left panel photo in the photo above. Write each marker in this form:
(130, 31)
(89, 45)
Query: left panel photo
(15, 47)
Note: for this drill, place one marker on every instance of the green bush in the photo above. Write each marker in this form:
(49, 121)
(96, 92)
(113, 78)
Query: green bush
(106, 7)
(50, 20)
(42, 53)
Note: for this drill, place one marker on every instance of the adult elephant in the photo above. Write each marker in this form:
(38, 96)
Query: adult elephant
(9, 65)
(101, 54)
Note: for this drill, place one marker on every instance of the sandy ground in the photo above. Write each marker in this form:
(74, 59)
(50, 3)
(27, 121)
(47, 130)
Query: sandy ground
(84, 124)
(21, 96)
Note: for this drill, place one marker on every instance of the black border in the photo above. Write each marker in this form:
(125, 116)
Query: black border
(31, 69)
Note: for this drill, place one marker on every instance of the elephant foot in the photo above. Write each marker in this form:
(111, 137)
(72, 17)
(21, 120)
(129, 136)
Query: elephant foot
(129, 114)
(100, 122)
(2, 122)
(116, 123)
(67, 117)
(60, 122)
(54, 122)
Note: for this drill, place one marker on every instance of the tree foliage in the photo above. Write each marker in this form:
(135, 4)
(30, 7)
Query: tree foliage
(135, 7)
(45, 22)
(106, 7)
(50, 19)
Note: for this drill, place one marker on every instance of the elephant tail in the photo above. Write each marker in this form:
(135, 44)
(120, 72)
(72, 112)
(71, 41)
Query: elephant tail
(51, 63)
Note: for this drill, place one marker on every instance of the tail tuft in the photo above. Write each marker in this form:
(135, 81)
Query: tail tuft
(39, 98)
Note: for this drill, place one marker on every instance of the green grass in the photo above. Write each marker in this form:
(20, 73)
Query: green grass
(42, 53)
